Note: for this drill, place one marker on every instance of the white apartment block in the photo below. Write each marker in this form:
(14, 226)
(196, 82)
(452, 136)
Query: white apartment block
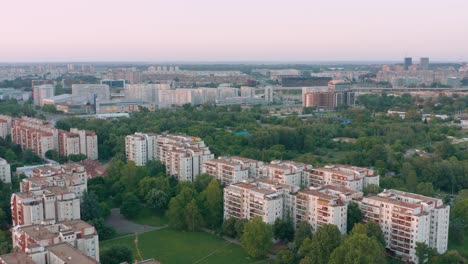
(86, 92)
(88, 143)
(285, 172)
(49, 205)
(407, 218)
(145, 92)
(38, 241)
(41, 92)
(182, 155)
(140, 148)
(5, 125)
(231, 170)
(324, 205)
(248, 200)
(351, 177)
(5, 171)
(72, 176)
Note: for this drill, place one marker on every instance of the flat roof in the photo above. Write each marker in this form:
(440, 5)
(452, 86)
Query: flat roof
(394, 201)
(16, 258)
(38, 232)
(70, 255)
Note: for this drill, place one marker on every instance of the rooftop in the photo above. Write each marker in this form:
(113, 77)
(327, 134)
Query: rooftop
(70, 255)
(16, 258)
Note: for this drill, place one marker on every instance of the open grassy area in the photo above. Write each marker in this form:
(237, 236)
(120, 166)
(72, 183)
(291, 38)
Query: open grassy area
(148, 217)
(170, 246)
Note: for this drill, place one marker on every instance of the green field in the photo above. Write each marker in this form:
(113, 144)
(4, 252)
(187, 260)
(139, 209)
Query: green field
(170, 246)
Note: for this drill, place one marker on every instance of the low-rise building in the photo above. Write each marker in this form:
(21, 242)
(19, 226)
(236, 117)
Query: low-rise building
(407, 218)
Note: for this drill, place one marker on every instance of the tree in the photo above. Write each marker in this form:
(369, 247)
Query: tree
(240, 225)
(283, 230)
(10, 156)
(457, 230)
(354, 215)
(90, 208)
(131, 206)
(193, 217)
(117, 254)
(324, 241)
(306, 260)
(460, 211)
(303, 231)
(358, 248)
(104, 231)
(451, 257)
(425, 188)
(285, 256)
(157, 199)
(371, 189)
(424, 253)
(370, 229)
(202, 181)
(229, 227)
(257, 238)
(176, 212)
(214, 204)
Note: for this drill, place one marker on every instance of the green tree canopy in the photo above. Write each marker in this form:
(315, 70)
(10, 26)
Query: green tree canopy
(257, 238)
(358, 248)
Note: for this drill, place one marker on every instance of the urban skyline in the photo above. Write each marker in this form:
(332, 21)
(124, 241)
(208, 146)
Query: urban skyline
(236, 31)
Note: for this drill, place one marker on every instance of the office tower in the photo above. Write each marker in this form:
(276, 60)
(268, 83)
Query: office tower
(424, 64)
(408, 62)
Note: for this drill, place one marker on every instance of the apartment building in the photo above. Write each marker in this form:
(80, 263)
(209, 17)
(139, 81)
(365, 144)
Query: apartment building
(5, 125)
(324, 205)
(88, 143)
(5, 171)
(69, 143)
(35, 134)
(285, 172)
(248, 200)
(351, 177)
(407, 218)
(40, 239)
(231, 169)
(50, 204)
(182, 155)
(140, 148)
(72, 176)
(41, 136)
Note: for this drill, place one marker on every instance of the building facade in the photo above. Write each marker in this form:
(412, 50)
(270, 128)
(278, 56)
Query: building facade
(5, 171)
(351, 177)
(407, 218)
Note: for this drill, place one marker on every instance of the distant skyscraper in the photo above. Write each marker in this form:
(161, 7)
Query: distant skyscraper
(408, 62)
(424, 64)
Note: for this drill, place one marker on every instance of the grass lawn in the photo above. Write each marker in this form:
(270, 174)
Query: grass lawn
(170, 246)
(148, 217)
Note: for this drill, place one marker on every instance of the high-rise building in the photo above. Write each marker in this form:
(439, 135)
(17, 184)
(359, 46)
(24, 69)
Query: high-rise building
(88, 143)
(182, 155)
(140, 148)
(406, 219)
(424, 64)
(231, 170)
(408, 62)
(42, 92)
(5, 125)
(5, 171)
(324, 205)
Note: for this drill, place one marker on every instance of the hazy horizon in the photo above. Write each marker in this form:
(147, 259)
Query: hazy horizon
(234, 31)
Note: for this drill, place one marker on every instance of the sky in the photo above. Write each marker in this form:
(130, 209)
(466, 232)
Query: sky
(233, 30)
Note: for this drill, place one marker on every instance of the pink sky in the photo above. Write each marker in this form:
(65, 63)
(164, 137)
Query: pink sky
(216, 30)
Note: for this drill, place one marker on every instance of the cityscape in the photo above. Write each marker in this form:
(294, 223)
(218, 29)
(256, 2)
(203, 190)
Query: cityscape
(210, 132)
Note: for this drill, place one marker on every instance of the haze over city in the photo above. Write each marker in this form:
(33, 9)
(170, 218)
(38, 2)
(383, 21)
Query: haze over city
(209, 30)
